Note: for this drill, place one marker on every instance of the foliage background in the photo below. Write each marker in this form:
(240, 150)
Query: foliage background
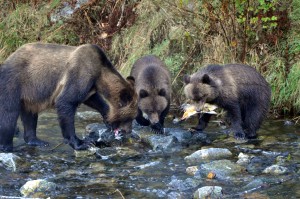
(185, 34)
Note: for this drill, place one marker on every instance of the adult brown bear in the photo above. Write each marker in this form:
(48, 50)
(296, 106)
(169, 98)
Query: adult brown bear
(238, 89)
(39, 76)
(153, 85)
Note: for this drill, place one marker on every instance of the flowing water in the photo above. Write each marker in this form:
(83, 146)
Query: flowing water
(137, 171)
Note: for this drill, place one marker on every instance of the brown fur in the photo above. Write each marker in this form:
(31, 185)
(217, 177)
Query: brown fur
(153, 85)
(239, 89)
(40, 76)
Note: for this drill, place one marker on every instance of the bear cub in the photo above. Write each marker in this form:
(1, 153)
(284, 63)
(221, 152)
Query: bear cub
(153, 86)
(239, 89)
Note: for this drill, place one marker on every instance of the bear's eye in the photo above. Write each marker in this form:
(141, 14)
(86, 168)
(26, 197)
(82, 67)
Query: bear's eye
(125, 98)
(162, 92)
(143, 93)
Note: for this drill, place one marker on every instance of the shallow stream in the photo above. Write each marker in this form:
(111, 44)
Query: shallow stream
(139, 172)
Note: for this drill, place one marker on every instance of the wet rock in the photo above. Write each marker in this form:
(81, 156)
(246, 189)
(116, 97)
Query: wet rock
(288, 123)
(275, 170)
(191, 170)
(160, 143)
(282, 160)
(269, 140)
(88, 115)
(244, 159)
(212, 192)
(101, 136)
(207, 154)
(9, 161)
(181, 135)
(97, 167)
(183, 185)
(255, 184)
(71, 173)
(258, 164)
(84, 153)
(175, 195)
(150, 164)
(256, 196)
(37, 188)
(224, 169)
(66, 11)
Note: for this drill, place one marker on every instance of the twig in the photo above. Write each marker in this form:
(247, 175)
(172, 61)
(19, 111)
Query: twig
(117, 190)
(55, 147)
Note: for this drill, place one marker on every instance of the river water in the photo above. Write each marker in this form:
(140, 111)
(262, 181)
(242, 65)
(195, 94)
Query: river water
(139, 172)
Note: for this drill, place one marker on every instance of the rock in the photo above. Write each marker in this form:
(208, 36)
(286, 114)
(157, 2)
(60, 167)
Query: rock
(150, 164)
(244, 159)
(288, 123)
(224, 169)
(255, 196)
(66, 11)
(191, 170)
(9, 161)
(101, 136)
(84, 153)
(212, 192)
(182, 136)
(158, 142)
(97, 167)
(88, 115)
(255, 184)
(174, 195)
(183, 185)
(275, 170)
(258, 164)
(37, 188)
(269, 140)
(207, 154)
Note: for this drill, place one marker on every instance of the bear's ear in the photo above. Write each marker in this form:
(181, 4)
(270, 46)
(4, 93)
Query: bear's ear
(143, 93)
(131, 80)
(206, 79)
(125, 97)
(162, 92)
(186, 79)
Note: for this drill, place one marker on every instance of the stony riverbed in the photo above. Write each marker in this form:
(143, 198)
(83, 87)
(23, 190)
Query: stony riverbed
(179, 164)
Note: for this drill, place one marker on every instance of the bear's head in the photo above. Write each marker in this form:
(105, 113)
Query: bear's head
(201, 89)
(122, 106)
(152, 104)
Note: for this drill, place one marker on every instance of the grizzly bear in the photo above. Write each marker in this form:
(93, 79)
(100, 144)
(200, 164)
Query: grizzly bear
(39, 76)
(153, 86)
(238, 89)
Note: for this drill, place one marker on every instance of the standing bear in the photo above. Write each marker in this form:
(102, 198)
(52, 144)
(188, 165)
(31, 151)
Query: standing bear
(153, 86)
(39, 76)
(238, 89)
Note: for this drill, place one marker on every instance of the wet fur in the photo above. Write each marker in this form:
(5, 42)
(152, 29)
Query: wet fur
(238, 89)
(153, 85)
(40, 76)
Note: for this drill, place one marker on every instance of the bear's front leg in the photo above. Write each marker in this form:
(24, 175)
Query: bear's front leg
(66, 114)
(235, 118)
(141, 120)
(203, 121)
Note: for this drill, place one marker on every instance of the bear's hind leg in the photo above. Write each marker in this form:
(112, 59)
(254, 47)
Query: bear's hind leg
(6, 137)
(29, 121)
(9, 113)
(251, 122)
